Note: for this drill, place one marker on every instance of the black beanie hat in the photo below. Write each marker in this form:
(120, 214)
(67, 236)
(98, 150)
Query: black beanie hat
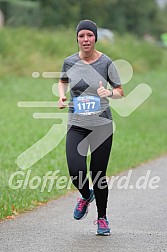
(87, 25)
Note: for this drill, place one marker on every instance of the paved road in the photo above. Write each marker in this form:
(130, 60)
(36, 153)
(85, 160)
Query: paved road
(138, 218)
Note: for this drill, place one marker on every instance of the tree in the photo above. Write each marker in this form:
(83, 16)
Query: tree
(121, 15)
(59, 13)
(132, 15)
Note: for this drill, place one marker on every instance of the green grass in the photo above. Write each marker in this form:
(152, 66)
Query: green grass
(138, 137)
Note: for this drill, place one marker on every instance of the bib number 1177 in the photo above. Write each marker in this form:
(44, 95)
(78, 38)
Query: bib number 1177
(86, 105)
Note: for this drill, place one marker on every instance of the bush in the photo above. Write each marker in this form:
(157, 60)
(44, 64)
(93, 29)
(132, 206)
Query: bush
(20, 13)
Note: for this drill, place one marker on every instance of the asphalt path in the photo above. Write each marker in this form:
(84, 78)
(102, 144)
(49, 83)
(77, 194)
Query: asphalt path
(138, 218)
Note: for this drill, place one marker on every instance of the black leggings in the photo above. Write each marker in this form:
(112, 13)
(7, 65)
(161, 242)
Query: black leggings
(99, 139)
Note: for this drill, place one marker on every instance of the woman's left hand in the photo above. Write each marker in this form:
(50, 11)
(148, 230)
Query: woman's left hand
(102, 91)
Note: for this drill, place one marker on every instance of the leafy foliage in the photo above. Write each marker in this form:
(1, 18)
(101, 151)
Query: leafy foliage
(133, 16)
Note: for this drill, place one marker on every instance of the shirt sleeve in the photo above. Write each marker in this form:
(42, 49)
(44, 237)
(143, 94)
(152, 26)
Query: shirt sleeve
(63, 75)
(113, 76)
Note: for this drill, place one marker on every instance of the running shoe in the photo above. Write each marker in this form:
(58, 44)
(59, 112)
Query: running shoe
(81, 208)
(102, 227)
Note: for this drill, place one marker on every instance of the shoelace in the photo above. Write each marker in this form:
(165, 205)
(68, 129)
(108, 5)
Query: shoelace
(102, 223)
(81, 204)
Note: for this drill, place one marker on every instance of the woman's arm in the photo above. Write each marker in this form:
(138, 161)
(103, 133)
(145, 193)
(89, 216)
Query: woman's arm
(115, 93)
(62, 88)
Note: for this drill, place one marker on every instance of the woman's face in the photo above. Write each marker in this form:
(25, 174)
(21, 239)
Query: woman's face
(86, 40)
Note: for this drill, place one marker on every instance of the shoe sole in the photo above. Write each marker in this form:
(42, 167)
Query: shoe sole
(103, 234)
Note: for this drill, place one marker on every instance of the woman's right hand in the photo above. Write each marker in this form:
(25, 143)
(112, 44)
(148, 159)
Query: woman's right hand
(61, 103)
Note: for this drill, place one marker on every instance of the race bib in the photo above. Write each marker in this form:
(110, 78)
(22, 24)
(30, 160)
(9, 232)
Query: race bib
(86, 105)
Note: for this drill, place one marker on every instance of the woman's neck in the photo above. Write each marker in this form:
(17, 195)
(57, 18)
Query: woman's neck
(89, 56)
